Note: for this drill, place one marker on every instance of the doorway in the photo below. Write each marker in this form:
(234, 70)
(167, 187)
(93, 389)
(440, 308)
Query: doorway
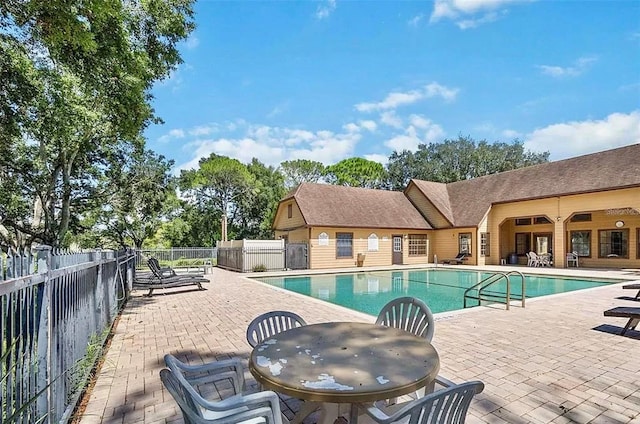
(396, 258)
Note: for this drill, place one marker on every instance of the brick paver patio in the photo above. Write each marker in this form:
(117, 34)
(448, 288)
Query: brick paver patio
(556, 361)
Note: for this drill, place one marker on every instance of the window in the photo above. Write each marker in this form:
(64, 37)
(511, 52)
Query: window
(613, 243)
(372, 243)
(464, 243)
(541, 220)
(485, 244)
(323, 239)
(523, 243)
(417, 244)
(344, 245)
(289, 211)
(580, 242)
(523, 221)
(581, 217)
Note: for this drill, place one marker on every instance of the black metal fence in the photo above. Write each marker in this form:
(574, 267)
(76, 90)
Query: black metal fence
(54, 307)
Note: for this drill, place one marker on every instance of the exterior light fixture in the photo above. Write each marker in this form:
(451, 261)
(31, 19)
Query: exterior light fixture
(619, 224)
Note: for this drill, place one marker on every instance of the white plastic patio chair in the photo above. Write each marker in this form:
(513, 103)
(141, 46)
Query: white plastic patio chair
(448, 406)
(270, 324)
(255, 408)
(409, 314)
(412, 315)
(572, 257)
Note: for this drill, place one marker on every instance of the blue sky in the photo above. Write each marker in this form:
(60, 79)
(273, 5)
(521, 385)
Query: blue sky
(329, 80)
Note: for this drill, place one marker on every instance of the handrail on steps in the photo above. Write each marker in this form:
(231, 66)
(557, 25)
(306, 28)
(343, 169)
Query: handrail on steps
(494, 278)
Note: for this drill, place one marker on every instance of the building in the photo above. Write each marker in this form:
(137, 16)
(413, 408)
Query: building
(588, 204)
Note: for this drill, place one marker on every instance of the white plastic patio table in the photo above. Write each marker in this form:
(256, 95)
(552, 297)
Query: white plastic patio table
(344, 363)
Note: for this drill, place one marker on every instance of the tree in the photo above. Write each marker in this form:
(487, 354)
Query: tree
(219, 182)
(74, 94)
(141, 194)
(256, 212)
(301, 171)
(461, 159)
(356, 172)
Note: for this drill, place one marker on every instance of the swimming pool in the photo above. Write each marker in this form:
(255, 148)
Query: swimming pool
(441, 289)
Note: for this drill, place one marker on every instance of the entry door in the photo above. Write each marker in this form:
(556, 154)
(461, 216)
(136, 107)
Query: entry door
(543, 243)
(397, 250)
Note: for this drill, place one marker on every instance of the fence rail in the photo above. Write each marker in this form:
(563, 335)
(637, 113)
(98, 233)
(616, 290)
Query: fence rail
(54, 307)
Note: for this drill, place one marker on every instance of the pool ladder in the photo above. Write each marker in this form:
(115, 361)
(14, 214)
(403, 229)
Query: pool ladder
(482, 292)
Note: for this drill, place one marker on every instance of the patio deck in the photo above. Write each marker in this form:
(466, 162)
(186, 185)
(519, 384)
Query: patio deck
(558, 360)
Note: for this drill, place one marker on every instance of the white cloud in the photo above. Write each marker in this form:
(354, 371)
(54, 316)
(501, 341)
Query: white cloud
(427, 132)
(392, 101)
(484, 19)
(511, 134)
(351, 127)
(203, 130)
(377, 158)
(415, 20)
(370, 126)
(579, 67)
(325, 10)
(273, 145)
(582, 137)
(419, 121)
(192, 42)
(172, 134)
(396, 99)
(391, 119)
(457, 9)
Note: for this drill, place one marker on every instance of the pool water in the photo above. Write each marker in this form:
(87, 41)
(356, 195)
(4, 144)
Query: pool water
(443, 290)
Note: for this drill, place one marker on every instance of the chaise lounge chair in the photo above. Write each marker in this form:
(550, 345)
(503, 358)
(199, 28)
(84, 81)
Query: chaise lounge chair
(625, 312)
(164, 278)
(634, 286)
(462, 256)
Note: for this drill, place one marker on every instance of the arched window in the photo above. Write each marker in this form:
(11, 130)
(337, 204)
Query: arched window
(323, 239)
(373, 243)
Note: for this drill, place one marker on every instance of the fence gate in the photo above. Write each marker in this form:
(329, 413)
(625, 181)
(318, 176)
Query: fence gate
(297, 256)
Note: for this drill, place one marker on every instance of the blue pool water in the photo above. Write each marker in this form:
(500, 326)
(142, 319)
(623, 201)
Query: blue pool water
(443, 290)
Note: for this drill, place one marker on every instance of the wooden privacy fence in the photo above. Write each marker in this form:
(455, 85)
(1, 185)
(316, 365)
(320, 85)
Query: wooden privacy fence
(55, 307)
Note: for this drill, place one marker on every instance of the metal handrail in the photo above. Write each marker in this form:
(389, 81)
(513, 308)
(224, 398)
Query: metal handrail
(490, 280)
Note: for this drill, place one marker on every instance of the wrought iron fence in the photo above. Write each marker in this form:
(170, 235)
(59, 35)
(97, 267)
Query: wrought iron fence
(54, 306)
(178, 256)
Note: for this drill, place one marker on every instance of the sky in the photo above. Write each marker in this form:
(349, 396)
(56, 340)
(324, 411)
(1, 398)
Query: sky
(330, 80)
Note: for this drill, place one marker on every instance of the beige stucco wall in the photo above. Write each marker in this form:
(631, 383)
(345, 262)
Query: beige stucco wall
(445, 244)
(426, 208)
(283, 222)
(559, 210)
(324, 256)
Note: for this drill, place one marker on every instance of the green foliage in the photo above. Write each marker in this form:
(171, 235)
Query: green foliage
(259, 268)
(357, 172)
(219, 184)
(461, 159)
(300, 171)
(74, 99)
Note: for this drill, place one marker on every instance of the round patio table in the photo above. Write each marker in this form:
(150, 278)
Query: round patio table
(344, 362)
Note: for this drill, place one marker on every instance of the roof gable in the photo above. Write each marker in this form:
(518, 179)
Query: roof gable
(339, 206)
(469, 200)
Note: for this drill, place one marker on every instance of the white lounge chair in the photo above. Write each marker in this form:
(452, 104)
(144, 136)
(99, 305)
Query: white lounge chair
(572, 257)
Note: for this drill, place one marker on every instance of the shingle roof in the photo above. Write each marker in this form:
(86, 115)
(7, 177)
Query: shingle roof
(466, 202)
(339, 206)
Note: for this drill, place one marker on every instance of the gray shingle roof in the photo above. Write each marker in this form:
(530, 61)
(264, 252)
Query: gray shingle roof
(466, 202)
(339, 206)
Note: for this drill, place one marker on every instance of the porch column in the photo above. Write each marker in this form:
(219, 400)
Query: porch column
(559, 244)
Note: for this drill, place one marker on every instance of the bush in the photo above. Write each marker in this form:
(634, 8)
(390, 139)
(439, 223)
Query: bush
(259, 268)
